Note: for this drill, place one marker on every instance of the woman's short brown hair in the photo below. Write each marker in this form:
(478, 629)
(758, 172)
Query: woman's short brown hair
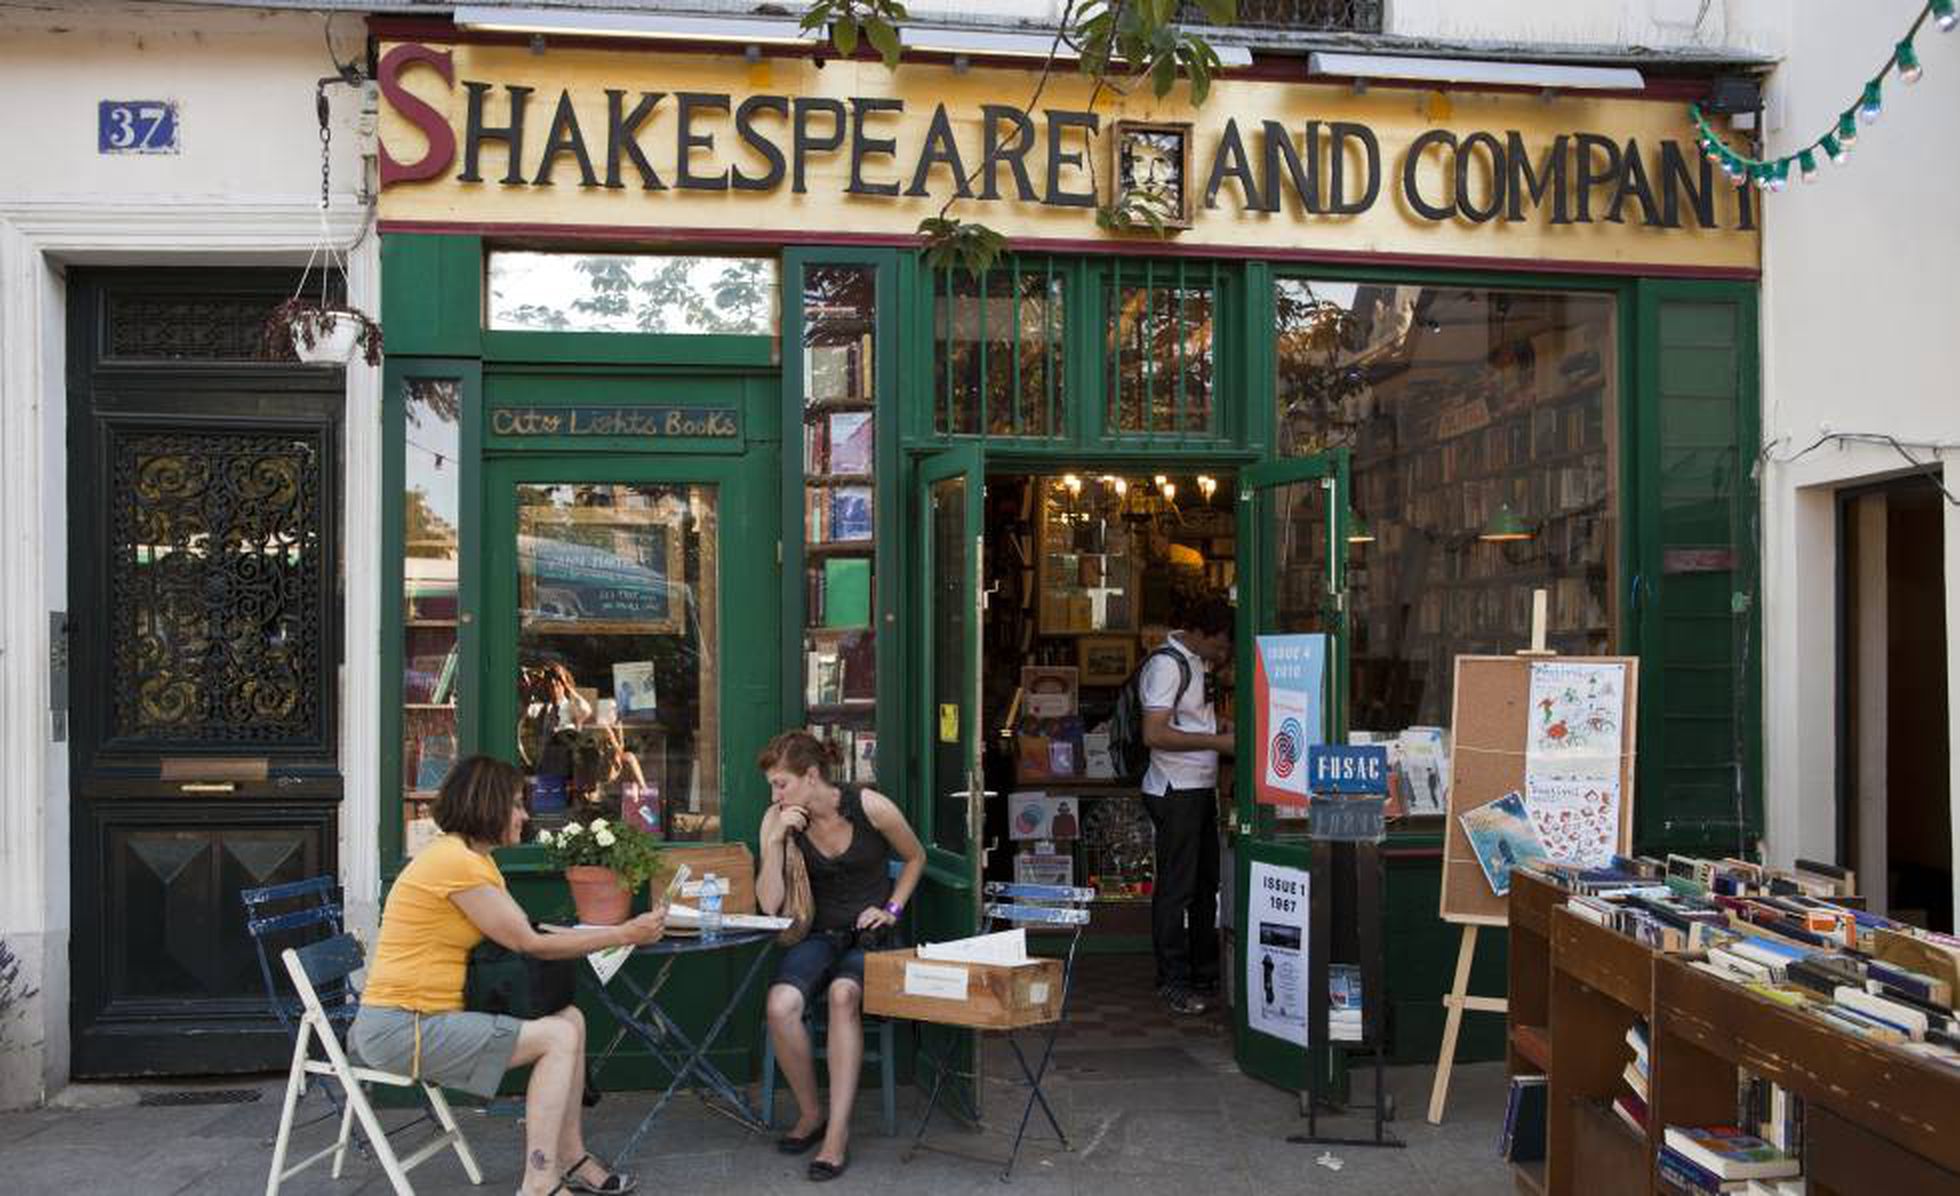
(797, 752)
(477, 797)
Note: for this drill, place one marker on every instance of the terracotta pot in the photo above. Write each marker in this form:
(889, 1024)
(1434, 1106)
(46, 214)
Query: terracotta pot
(598, 896)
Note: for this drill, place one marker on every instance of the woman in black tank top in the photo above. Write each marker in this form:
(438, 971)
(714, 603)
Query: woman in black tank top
(847, 836)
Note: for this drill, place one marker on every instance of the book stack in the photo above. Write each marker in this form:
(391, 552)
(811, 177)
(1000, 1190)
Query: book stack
(1770, 1112)
(857, 751)
(1711, 1159)
(1523, 1138)
(1631, 1106)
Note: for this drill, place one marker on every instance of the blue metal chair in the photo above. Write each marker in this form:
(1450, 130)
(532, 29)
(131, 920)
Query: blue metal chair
(1009, 906)
(885, 1055)
(297, 914)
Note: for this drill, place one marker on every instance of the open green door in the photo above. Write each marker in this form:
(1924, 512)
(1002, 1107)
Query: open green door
(949, 788)
(1293, 551)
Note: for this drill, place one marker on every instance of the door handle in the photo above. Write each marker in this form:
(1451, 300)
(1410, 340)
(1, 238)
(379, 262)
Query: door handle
(208, 787)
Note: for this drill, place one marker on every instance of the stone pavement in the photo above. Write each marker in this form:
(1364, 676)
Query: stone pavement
(1160, 1112)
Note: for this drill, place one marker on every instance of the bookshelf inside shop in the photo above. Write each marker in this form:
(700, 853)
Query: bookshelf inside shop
(430, 662)
(840, 638)
(1629, 1039)
(1479, 482)
(1088, 572)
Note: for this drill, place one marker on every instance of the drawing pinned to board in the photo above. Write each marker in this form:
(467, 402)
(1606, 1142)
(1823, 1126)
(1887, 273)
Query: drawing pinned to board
(1577, 711)
(1502, 835)
(1577, 818)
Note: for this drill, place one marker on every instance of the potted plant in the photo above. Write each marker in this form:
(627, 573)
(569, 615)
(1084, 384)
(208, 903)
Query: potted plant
(604, 863)
(319, 333)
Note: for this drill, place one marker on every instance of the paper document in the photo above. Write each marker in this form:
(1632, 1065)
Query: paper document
(1009, 949)
(686, 917)
(606, 961)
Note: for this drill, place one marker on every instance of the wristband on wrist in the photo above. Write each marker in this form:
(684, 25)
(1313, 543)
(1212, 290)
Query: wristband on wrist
(894, 908)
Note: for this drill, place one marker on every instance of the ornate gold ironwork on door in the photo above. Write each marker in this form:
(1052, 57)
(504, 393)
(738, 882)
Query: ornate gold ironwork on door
(218, 586)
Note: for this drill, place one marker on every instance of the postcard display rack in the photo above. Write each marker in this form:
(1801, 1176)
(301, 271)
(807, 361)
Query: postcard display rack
(1876, 1118)
(1503, 718)
(840, 638)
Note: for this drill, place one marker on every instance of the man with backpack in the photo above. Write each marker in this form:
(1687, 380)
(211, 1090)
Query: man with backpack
(1180, 792)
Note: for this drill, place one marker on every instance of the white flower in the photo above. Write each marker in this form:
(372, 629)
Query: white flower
(573, 828)
(598, 824)
(606, 838)
(544, 838)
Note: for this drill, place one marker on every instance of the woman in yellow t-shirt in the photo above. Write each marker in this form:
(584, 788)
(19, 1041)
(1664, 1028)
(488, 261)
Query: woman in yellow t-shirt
(449, 898)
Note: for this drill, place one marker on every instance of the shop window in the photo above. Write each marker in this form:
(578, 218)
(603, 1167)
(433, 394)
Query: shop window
(1482, 431)
(618, 654)
(840, 637)
(998, 343)
(1160, 357)
(431, 658)
(670, 294)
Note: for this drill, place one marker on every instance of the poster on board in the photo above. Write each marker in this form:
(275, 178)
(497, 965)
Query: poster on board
(1288, 708)
(1276, 952)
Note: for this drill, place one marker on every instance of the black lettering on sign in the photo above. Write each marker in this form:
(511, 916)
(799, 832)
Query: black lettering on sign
(1633, 181)
(1412, 165)
(940, 150)
(746, 130)
(1339, 134)
(1498, 175)
(1533, 185)
(565, 138)
(475, 133)
(1588, 176)
(865, 146)
(1302, 167)
(803, 142)
(692, 102)
(1675, 179)
(1230, 162)
(623, 138)
(1059, 123)
(1013, 153)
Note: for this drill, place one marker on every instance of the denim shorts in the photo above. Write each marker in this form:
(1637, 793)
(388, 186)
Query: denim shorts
(828, 955)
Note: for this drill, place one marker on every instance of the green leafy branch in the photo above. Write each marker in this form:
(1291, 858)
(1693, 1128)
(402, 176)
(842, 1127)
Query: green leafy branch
(1118, 44)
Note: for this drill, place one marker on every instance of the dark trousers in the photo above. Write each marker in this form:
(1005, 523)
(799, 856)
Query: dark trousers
(1184, 900)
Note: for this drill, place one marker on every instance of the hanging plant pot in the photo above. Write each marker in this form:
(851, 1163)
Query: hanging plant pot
(598, 895)
(335, 335)
(316, 335)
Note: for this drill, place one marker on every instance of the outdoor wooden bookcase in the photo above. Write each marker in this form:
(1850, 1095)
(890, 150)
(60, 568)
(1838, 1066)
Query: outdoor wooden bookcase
(1876, 1119)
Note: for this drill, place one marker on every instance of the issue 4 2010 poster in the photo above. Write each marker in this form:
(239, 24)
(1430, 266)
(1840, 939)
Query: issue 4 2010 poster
(1288, 698)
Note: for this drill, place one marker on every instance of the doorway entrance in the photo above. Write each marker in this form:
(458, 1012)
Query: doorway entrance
(1895, 809)
(204, 585)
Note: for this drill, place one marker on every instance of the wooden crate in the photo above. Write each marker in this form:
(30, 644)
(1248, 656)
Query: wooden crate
(976, 995)
(731, 861)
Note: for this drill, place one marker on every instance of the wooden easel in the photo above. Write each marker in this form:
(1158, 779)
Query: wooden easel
(1467, 900)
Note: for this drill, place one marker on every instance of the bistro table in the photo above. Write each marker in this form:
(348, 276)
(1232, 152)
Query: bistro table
(669, 1045)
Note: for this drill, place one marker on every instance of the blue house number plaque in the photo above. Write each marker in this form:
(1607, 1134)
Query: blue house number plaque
(136, 127)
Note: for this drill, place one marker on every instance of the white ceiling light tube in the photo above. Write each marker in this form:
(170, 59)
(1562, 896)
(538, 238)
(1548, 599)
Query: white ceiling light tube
(1474, 70)
(564, 22)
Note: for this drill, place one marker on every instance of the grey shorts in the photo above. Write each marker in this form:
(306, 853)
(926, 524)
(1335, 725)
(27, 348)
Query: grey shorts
(467, 1051)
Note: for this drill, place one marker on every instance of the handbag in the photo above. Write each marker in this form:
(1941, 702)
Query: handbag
(499, 980)
(799, 905)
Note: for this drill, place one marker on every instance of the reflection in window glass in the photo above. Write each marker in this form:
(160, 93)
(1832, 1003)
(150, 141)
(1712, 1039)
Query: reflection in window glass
(999, 353)
(614, 292)
(1482, 431)
(1160, 359)
(617, 654)
(432, 419)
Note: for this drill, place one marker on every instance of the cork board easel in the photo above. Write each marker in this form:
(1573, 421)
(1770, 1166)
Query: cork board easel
(1489, 716)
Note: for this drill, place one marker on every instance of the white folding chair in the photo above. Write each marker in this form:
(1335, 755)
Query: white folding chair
(325, 963)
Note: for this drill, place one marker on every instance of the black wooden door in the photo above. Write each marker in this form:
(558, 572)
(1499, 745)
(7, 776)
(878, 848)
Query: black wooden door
(204, 616)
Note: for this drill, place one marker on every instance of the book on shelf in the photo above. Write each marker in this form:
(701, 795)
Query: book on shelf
(839, 368)
(859, 660)
(1632, 1110)
(1636, 1078)
(444, 693)
(845, 600)
(1681, 1174)
(849, 435)
(823, 677)
(435, 754)
(1522, 1139)
(850, 514)
(1727, 1153)
(857, 751)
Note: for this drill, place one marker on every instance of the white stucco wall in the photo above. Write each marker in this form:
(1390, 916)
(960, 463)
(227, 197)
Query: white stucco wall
(1859, 334)
(244, 189)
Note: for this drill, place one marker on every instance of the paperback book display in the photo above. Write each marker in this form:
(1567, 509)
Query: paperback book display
(1792, 936)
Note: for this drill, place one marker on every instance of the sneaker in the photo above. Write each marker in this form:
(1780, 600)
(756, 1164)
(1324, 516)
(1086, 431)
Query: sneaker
(1181, 1000)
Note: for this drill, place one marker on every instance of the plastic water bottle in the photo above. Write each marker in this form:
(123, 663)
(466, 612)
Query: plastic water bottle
(710, 908)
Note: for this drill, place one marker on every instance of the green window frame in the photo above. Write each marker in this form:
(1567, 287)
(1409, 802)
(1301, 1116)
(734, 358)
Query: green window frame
(955, 293)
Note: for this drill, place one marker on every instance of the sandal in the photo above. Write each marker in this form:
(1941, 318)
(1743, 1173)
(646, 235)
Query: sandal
(790, 1144)
(616, 1183)
(822, 1172)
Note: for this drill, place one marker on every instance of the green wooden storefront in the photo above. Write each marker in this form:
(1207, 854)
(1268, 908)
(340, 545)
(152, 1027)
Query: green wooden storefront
(1687, 429)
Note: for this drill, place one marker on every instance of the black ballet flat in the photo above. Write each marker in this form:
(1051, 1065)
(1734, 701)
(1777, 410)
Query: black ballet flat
(790, 1144)
(821, 1172)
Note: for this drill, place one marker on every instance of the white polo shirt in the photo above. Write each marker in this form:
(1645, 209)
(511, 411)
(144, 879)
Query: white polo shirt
(1157, 686)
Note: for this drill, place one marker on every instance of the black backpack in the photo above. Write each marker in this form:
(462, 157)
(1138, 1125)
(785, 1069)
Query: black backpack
(1127, 751)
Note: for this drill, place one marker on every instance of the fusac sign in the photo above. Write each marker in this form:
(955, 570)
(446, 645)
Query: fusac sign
(581, 137)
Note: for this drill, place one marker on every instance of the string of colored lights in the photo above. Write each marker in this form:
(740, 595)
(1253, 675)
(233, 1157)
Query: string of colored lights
(1770, 174)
